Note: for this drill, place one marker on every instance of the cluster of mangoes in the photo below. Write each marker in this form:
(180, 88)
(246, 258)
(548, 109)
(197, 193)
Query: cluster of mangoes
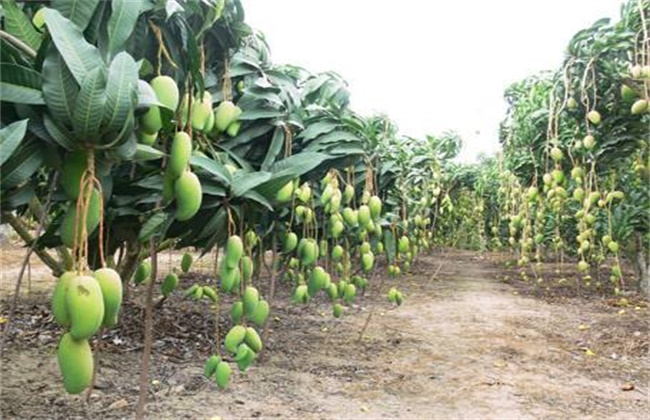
(640, 73)
(179, 182)
(82, 304)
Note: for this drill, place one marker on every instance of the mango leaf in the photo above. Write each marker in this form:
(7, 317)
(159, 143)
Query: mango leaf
(155, 226)
(18, 24)
(121, 91)
(145, 152)
(248, 134)
(218, 230)
(60, 135)
(257, 114)
(59, 87)
(20, 84)
(80, 56)
(124, 16)
(244, 181)
(259, 198)
(22, 165)
(89, 108)
(212, 167)
(299, 164)
(17, 197)
(146, 96)
(275, 148)
(317, 129)
(21, 94)
(216, 223)
(78, 12)
(10, 138)
(269, 189)
(389, 245)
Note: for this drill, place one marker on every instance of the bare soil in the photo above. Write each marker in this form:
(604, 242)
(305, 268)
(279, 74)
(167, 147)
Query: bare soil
(465, 344)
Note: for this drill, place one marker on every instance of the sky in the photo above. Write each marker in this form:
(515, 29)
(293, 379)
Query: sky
(430, 65)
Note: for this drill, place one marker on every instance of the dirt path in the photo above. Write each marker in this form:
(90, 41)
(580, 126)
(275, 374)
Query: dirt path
(463, 346)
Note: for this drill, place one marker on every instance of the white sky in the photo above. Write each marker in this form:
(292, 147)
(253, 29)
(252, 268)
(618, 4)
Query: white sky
(430, 65)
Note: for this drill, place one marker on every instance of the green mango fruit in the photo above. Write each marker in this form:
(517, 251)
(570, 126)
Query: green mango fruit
(234, 338)
(169, 284)
(251, 299)
(85, 306)
(234, 251)
(226, 114)
(75, 363)
(233, 129)
(142, 273)
(74, 166)
(211, 366)
(247, 268)
(59, 305)
(181, 152)
(186, 262)
(166, 91)
(151, 121)
(210, 293)
(245, 356)
(260, 314)
(285, 193)
(639, 107)
(222, 374)
(237, 311)
(189, 195)
(337, 253)
(364, 216)
(253, 340)
(290, 242)
(110, 284)
(374, 203)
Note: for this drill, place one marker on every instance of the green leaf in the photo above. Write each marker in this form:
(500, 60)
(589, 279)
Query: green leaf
(145, 152)
(87, 117)
(59, 87)
(218, 228)
(259, 198)
(17, 197)
(124, 16)
(60, 135)
(20, 84)
(245, 181)
(389, 245)
(18, 24)
(318, 128)
(212, 167)
(217, 223)
(155, 225)
(22, 165)
(10, 138)
(248, 134)
(257, 114)
(298, 164)
(21, 94)
(275, 148)
(121, 91)
(146, 95)
(78, 12)
(80, 56)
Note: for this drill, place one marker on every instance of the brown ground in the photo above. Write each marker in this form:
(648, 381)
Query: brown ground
(464, 345)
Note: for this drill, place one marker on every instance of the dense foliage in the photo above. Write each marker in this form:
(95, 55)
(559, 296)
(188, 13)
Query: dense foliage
(572, 179)
(134, 126)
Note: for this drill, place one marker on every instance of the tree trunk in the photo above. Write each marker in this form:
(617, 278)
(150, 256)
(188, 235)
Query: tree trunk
(642, 265)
